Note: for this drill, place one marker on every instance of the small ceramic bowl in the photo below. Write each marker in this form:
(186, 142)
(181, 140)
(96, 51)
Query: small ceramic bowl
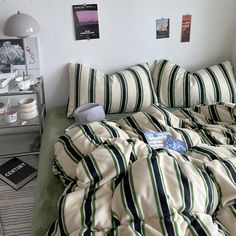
(23, 82)
(26, 102)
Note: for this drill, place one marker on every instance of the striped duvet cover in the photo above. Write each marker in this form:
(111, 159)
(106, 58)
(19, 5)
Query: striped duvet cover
(117, 185)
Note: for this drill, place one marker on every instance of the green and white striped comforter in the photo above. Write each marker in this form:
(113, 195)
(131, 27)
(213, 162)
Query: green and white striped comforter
(117, 185)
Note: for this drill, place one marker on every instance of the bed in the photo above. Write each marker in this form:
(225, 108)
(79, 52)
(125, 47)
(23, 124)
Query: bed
(49, 187)
(209, 132)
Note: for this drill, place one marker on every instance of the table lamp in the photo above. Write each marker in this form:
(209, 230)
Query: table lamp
(21, 25)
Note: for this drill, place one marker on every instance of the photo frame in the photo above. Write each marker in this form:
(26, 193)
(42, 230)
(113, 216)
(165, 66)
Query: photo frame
(186, 28)
(86, 21)
(162, 28)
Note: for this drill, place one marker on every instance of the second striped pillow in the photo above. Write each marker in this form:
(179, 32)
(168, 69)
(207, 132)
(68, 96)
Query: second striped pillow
(177, 87)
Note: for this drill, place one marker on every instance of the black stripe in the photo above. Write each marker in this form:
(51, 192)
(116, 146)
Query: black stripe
(123, 92)
(185, 136)
(156, 122)
(202, 150)
(52, 228)
(150, 82)
(213, 112)
(91, 169)
(184, 180)
(231, 170)
(187, 99)
(212, 139)
(70, 148)
(131, 204)
(91, 135)
(162, 195)
(61, 200)
(159, 75)
(140, 95)
(92, 79)
(172, 86)
(134, 126)
(210, 191)
(77, 84)
(88, 206)
(114, 132)
(202, 88)
(227, 76)
(195, 224)
(215, 84)
(166, 114)
(120, 160)
(107, 94)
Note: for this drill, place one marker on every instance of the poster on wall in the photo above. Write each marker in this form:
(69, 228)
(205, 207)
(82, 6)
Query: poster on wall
(86, 21)
(12, 52)
(162, 28)
(186, 28)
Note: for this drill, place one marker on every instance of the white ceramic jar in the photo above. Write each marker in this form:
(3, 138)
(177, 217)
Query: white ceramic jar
(27, 108)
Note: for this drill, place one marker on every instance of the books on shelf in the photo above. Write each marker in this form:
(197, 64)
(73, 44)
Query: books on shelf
(17, 173)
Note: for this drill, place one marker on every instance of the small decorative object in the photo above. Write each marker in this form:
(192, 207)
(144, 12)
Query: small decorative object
(86, 21)
(89, 113)
(186, 28)
(23, 82)
(17, 173)
(162, 28)
(27, 108)
(4, 105)
(10, 116)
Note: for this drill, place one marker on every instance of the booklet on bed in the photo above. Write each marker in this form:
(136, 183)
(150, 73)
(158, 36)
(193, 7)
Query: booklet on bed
(164, 139)
(17, 173)
(156, 139)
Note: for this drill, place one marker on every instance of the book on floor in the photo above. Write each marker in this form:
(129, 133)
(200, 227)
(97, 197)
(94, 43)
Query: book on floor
(17, 173)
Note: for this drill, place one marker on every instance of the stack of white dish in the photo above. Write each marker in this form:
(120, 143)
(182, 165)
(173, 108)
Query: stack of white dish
(27, 108)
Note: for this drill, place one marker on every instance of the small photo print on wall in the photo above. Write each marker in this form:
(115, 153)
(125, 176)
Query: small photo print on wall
(186, 28)
(86, 21)
(12, 52)
(162, 28)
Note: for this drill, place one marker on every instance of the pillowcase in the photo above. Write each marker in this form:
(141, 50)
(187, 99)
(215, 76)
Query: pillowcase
(129, 90)
(177, 87)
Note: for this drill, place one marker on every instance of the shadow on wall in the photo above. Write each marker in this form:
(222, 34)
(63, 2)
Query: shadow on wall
(58, 88)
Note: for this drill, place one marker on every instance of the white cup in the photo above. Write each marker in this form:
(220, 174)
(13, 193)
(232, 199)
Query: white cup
(23, 82)
(10, 116)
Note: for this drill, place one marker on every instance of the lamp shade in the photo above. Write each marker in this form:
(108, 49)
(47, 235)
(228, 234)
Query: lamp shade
(20, 25)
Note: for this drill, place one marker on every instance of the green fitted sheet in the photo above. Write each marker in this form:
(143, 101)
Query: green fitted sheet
(49, 187)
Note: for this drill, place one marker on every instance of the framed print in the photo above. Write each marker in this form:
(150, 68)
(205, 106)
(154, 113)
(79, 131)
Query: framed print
(162, 28)
(86, 21)
(186, 28)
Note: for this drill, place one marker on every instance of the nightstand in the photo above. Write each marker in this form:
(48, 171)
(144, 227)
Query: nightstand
(23, 136)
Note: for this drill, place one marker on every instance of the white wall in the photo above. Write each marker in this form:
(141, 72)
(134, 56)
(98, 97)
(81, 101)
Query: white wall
(127, 35)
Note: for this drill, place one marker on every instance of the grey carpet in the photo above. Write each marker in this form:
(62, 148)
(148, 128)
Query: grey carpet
(16, 207)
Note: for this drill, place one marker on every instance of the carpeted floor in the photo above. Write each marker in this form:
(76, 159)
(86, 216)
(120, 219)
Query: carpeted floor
(16, 207)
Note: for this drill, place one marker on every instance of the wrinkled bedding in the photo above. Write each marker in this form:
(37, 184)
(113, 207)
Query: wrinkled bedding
(116, 184)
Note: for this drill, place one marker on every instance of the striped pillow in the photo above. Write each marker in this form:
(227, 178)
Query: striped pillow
(177, 87)
(129, 90)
